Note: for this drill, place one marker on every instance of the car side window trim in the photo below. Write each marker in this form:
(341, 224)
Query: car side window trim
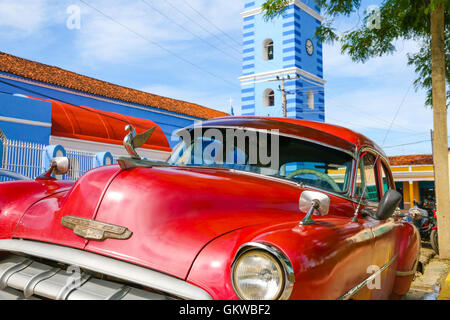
(380, 158)
(384, 167)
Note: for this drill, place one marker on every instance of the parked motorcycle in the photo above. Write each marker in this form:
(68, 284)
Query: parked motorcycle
(422, 220)
(434, 235)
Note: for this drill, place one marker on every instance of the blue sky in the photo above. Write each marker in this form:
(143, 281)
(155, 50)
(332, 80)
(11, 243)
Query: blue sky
(168, 48)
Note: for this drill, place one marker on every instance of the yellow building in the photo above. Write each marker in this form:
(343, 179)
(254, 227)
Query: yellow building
(414, 177)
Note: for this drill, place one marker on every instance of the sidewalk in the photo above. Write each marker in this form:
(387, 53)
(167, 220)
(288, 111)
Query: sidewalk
(427, 284)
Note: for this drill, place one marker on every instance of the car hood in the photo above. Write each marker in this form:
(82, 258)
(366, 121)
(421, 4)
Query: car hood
(172, 212)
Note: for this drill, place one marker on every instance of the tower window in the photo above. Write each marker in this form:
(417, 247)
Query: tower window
(268, 50)
(269, 98)
(311, 99)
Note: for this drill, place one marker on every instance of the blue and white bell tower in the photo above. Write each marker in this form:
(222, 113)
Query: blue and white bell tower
(285, 47)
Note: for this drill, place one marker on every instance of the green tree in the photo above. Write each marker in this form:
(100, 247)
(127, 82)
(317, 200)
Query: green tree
(425, 21)
(399, 19)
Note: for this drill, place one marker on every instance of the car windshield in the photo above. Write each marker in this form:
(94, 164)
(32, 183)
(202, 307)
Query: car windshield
(267, 154)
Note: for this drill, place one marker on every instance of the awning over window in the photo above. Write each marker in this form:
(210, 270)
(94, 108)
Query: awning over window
(85, 123)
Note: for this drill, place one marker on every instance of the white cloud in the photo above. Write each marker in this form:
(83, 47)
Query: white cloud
(376, 108)
(366, 97)
(372, 110)
(223, 14)
(139, 30)
(363, 97)
(337, 64)
(103, 40)
(22, 18)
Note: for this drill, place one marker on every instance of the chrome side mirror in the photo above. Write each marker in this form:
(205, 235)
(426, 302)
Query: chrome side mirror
(58, 166)
(313, 202)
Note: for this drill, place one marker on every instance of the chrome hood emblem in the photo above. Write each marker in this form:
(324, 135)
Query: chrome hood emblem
(95, 230)
(133, 141)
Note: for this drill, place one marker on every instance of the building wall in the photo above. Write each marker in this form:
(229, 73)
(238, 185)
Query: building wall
(412, 177)
(25, 119)
(289, 34)
(168, 121)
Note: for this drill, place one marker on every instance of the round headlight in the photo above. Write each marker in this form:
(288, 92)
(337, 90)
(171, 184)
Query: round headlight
(258, 275)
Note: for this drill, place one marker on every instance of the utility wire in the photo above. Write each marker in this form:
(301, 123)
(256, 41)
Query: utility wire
(211, 23)
(234, 47)
(378, 118)
(158, 45)
(396, 114)
(192, 33)
(407, 144)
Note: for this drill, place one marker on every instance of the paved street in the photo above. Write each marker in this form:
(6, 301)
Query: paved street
(426, 285)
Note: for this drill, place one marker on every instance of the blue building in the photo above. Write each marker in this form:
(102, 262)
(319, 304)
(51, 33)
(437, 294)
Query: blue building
(285, 48)
(31, 120)
(45, 110)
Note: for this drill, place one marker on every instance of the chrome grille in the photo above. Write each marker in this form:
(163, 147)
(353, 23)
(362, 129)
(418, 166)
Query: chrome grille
(24, 278)
(114, 269)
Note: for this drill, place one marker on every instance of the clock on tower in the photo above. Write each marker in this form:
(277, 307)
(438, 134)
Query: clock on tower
(283, 48)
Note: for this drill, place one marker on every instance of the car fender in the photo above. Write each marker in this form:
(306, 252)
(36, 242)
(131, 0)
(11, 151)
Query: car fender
(408, 259)
(320, 255)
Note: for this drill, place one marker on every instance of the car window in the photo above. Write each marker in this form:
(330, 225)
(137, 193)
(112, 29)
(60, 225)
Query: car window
(290, 158)
(366, 183)
(318, 174)
(387, 183)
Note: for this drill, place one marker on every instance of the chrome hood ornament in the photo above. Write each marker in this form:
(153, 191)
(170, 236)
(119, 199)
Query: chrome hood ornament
(132, 141)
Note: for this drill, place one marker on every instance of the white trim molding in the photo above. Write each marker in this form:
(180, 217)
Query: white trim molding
(261, 77)
(114, 149)
(426, 179)
(410, 181)
(27, 122)
(299, 4)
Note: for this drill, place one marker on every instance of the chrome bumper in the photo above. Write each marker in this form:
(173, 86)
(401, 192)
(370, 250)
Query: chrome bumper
(24, 278)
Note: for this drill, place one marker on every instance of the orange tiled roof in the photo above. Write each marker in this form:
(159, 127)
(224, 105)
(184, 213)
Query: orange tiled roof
(60, 77)
(420, 159)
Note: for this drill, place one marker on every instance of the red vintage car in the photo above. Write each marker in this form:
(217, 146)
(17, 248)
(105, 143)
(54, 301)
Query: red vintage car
(245, 208)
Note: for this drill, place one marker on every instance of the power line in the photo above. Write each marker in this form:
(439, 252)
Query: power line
(397, 113)
(158, 45)
(375, 118)
(407, 144)
(211, 23)
(368, 115)
(235, 48)
(192, 33)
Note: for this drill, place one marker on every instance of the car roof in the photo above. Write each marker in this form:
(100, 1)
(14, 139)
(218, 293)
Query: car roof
(324, 133)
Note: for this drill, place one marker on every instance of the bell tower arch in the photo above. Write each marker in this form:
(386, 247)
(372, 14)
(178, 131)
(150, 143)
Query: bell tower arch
(285, 47)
